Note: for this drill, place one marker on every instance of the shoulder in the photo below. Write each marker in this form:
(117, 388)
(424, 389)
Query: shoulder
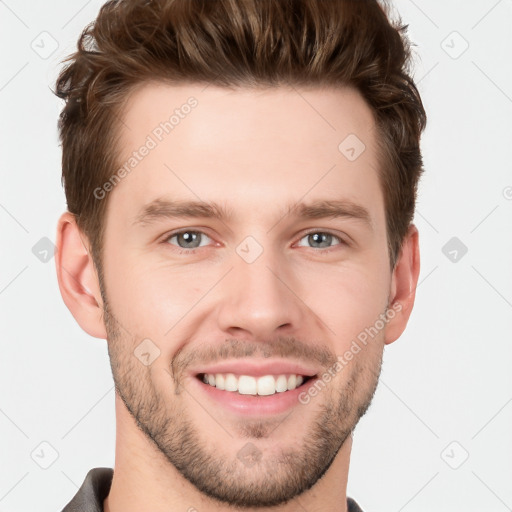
(94, 490)
(353, 506)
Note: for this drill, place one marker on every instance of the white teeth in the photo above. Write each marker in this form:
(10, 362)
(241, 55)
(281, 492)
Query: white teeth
(219, 381)
(231, 382)
(281, 383)
(266, 385)
(248, 385)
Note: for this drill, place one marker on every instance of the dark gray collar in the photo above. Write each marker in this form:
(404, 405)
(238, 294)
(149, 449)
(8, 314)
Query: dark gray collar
(93, 491)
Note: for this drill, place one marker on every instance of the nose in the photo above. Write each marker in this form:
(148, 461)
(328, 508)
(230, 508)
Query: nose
(258, 299)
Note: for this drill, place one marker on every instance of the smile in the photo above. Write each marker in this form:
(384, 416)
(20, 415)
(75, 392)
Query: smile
(252, 396)
(250, 385)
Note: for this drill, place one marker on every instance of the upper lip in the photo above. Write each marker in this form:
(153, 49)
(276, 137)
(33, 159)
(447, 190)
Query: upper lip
(258, 368)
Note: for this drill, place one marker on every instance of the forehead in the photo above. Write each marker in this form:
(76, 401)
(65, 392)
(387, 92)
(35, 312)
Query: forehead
(228, 115)
(250, 148)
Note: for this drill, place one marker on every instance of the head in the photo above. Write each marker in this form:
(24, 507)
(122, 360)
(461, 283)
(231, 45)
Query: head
(289, 124)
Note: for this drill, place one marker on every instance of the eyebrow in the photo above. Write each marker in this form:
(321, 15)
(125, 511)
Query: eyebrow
(162, 208)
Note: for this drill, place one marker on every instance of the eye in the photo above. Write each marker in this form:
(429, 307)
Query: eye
(187, 239)
(322, 238)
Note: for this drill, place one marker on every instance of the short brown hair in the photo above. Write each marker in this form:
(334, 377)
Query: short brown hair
(237, 43)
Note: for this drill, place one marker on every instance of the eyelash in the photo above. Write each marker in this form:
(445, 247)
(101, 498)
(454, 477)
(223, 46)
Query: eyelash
(193, 251)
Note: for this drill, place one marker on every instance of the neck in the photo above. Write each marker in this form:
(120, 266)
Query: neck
(145, 480)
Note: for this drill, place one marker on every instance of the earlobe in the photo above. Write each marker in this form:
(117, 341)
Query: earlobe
(77, 277)
(403, 285)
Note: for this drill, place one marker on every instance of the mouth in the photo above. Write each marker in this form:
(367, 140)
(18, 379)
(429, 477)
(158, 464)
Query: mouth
(265, 385)
(254, 396)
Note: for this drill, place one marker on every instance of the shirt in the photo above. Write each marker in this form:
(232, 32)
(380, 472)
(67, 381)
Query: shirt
(96, 487)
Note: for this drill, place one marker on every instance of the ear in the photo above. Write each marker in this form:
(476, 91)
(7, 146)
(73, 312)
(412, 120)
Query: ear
(77, 277)
(403, 285)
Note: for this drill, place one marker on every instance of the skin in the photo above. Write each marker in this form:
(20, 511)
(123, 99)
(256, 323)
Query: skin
(252, 151)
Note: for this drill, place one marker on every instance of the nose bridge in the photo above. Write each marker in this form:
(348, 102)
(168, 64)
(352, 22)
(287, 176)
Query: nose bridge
(256, 296)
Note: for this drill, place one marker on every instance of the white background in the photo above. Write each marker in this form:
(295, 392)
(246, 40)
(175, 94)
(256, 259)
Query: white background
(446, 387)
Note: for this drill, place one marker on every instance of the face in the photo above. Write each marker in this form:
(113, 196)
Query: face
(276, 285)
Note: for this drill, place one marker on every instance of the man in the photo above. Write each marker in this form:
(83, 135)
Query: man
(240, 179)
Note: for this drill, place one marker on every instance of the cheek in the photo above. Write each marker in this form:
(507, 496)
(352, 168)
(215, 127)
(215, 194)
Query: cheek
(146, 300)
(347, 300)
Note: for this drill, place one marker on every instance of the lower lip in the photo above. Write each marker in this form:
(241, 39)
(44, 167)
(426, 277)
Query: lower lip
(256, 405)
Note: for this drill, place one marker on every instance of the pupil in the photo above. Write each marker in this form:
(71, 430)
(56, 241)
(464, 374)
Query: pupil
(189, 236)
(317, 236)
